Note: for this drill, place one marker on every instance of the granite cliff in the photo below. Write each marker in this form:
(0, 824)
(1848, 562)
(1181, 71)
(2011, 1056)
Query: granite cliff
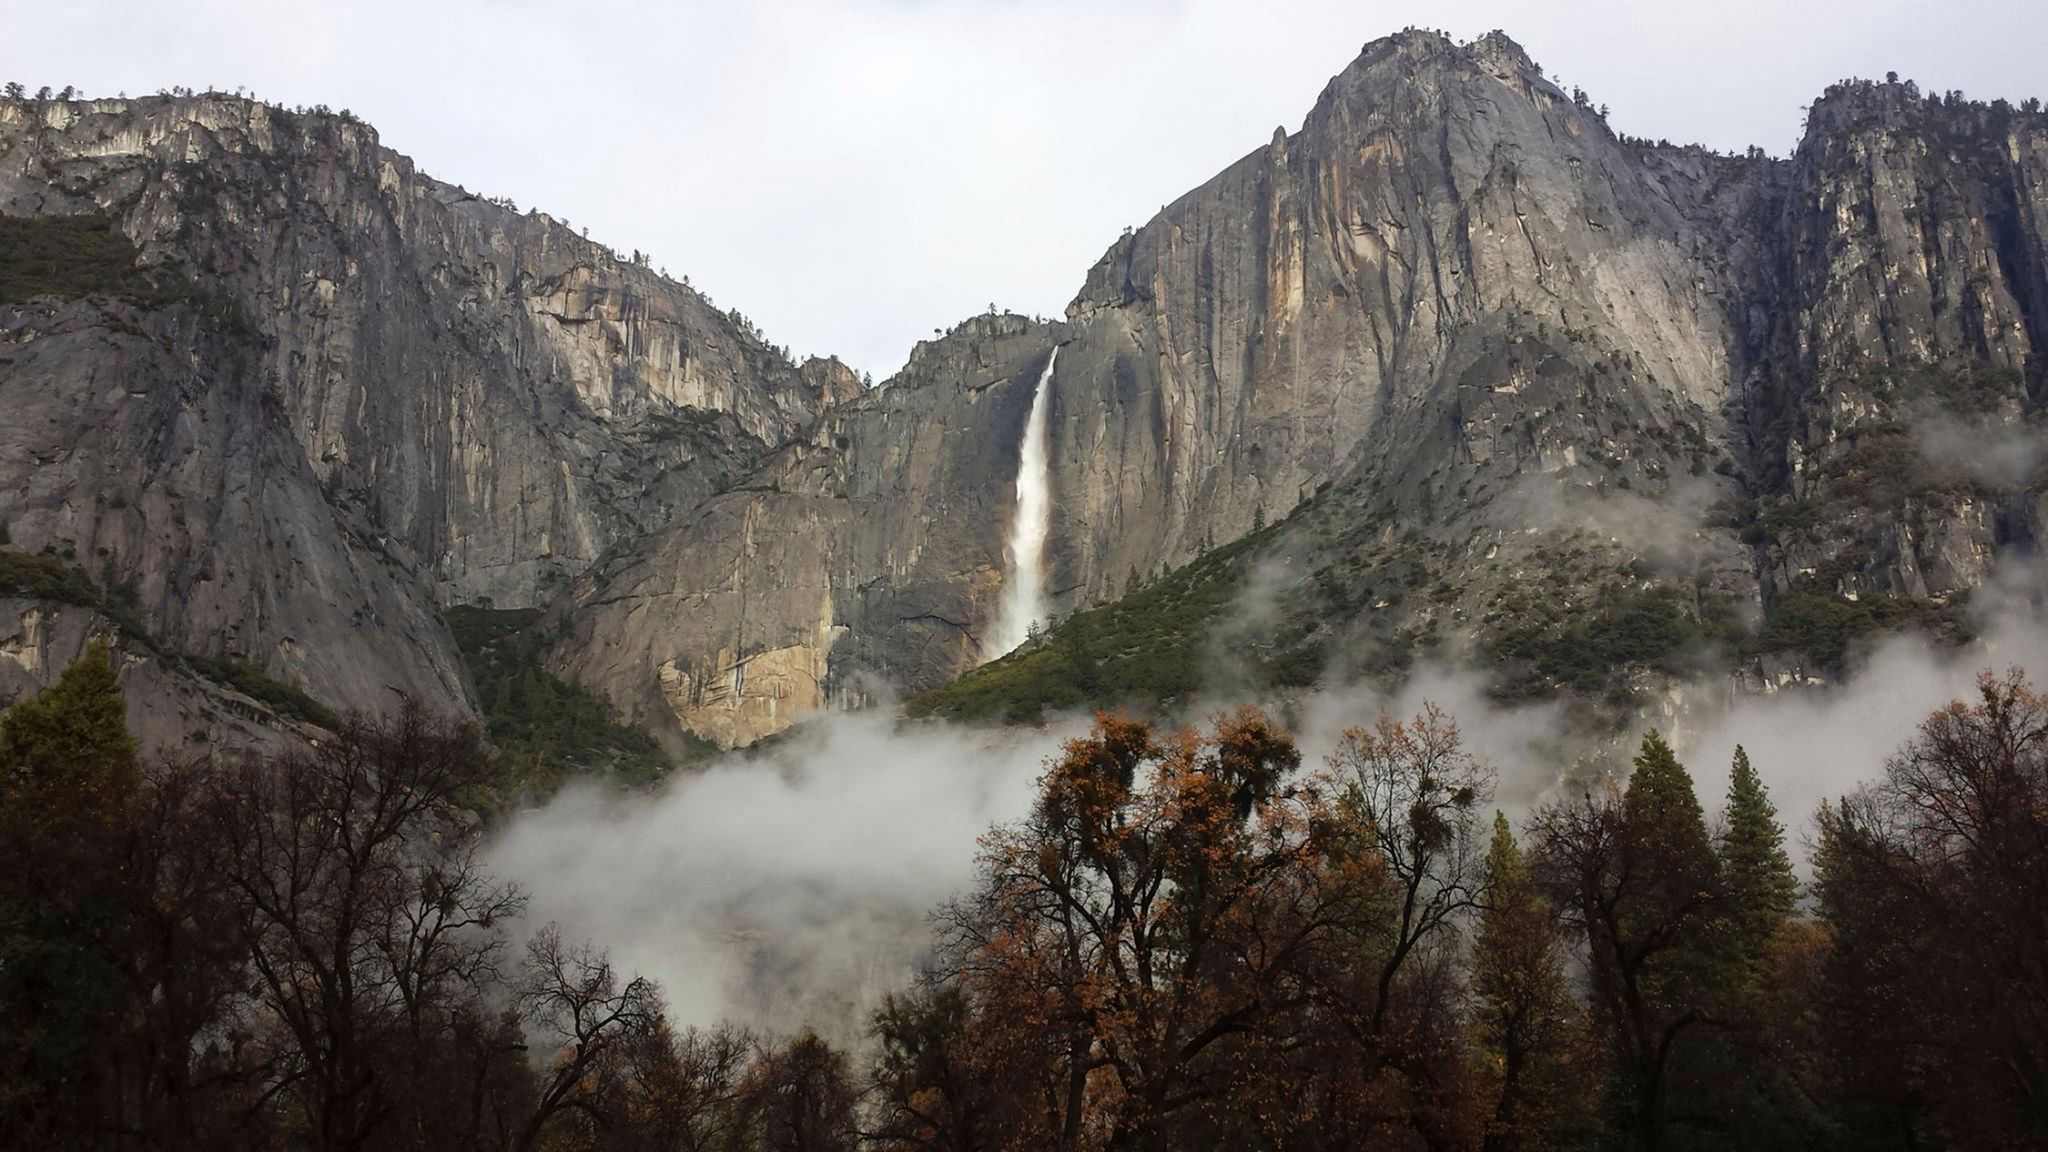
(346, 394)
(1598, 411)
(1468, 371)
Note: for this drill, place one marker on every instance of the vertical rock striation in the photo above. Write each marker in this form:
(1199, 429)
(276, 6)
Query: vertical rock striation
(373, 394)
(1504, 374)
(1464, 329)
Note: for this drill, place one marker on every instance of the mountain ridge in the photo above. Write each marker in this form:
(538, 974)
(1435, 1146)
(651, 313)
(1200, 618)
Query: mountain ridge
(1440, 330)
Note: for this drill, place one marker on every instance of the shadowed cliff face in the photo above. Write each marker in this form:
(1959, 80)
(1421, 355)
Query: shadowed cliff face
(370, 393)
(150, 450)
(1899, 425)
(1507, 348)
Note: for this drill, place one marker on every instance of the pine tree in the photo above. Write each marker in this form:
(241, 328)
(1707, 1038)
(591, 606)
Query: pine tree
(1666, 835)
(1768, 994)
(68, 774)
(73, 737)
(1675, 901)
(1755, 868)
(1638, 877)
(1529, 1026)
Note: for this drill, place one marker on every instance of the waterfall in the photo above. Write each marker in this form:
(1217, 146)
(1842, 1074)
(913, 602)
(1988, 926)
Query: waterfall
(1024, 552)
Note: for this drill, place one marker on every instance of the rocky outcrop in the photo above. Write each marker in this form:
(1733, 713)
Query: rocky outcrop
(1441, 206)
(467, 372)
(1898, 426)
(864, 556)
(145, 448)
(169, 708)
(370, 394)
(1507, 377)
(1472, 338)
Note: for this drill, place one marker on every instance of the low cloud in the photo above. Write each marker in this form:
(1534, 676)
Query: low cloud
(793, 888)
(1229, 663)
(1812, 744)
(1674, 531)
(1995, 453)
(1526, 744)
(785, 890)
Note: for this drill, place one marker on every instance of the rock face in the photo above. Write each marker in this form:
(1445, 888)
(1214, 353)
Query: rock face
(1440, 204)
(1504, 345)
(378, 393)
(168, 706)
(1898, 425)
(145, 447)
(1501, 373)
(864, 556)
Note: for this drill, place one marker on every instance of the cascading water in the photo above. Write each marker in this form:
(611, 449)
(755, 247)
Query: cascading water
(1024, 581)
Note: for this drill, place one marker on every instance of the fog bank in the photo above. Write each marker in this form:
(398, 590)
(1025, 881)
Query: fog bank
(793, 888)
(782, 890)
(1814, 744)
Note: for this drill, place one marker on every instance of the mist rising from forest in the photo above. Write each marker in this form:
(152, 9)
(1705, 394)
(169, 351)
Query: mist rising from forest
(792, 889)
(1811, 746)
(783, 890)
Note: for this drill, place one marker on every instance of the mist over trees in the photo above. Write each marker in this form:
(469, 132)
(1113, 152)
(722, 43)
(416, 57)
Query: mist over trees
(301, 951)
(1194, 940)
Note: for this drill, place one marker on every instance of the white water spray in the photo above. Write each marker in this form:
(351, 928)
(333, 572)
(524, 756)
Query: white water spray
(1024, 582)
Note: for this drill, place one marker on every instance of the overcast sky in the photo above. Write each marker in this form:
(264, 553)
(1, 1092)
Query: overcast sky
(854, 173)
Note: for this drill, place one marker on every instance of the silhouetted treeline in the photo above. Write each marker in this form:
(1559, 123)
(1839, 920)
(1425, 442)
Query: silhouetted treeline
(302, 952)
(1193, 942)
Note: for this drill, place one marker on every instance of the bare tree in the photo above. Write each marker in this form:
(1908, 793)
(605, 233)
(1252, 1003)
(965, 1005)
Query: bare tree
(1935, 881)
(180, 1083)
(680, 1093)
(364, 918)
(1417, 794)
(800, 1098)
(573, 995)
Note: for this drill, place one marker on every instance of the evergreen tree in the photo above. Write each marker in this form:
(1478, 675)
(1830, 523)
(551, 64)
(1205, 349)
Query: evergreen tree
(68, 772)
(1754, 866)
(1766, 1001)
(1529, 1026)
(72, 740)
(1666, 830)
(1669, 926)
(1636, 876)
